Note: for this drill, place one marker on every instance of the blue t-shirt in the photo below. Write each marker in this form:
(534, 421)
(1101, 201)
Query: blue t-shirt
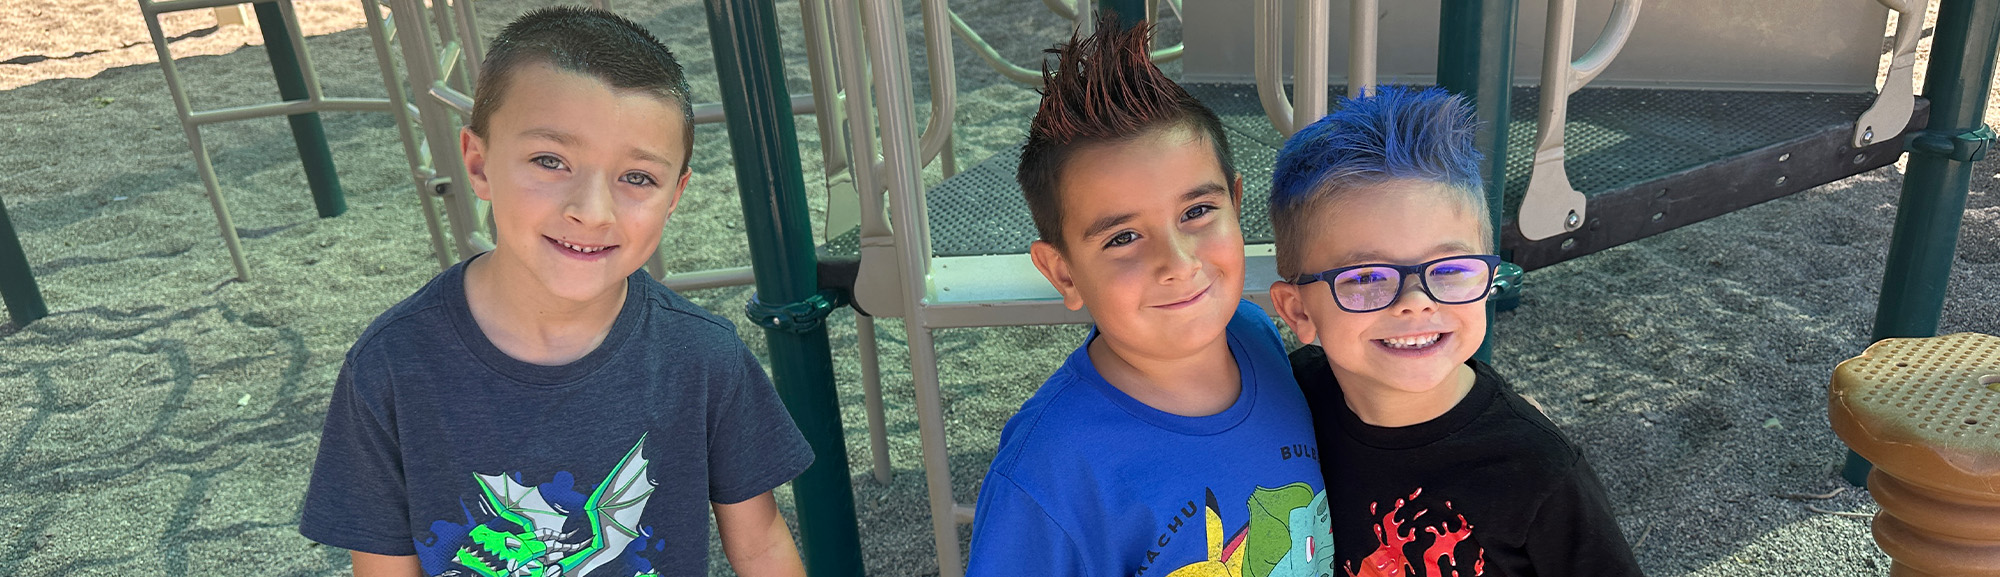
(1089, 481)
(439, 445)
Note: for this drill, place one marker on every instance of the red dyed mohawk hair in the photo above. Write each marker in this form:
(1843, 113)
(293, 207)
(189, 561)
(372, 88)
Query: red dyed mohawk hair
(1103, 89)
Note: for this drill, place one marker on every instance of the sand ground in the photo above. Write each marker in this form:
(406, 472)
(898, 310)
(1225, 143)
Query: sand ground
(162, 420)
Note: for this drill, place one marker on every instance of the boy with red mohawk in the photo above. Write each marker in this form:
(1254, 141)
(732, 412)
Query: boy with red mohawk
(1174, 441)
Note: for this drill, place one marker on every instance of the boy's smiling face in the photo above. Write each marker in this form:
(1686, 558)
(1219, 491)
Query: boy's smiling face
(582, 177)
(1151, 243)
(1401, 222)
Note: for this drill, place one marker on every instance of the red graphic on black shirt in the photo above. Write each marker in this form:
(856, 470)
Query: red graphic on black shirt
(1391, 558)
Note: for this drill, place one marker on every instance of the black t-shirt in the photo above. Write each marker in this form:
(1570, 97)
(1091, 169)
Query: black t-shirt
(439, 445)
(1489, 488)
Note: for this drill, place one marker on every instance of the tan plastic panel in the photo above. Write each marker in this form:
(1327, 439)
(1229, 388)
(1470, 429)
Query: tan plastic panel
(1809, 45)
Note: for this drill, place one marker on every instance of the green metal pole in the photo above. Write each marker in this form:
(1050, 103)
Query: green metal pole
(17, 281)
(1130, 12)
(765, 144)
(306, 129)
(1939, 175)
(1476, 60)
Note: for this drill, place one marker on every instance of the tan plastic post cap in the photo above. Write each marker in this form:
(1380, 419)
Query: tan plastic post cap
(1926, 409)
(1926, 412)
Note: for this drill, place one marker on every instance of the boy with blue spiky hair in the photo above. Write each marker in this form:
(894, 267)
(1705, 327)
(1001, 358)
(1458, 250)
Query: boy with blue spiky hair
(1433, 464)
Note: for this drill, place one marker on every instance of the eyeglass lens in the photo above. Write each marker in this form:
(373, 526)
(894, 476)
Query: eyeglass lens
(1453, 281)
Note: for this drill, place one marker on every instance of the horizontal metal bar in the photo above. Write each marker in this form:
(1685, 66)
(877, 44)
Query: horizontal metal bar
(452, 98)
(711, 113)
(289, 108)
(1696, 194)
(707, 279)
(155, 8)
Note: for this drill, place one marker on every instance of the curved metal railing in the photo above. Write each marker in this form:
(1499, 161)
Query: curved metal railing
(1552, 206)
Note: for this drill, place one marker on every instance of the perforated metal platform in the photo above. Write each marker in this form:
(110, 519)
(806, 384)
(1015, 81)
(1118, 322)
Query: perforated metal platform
(1616, 138)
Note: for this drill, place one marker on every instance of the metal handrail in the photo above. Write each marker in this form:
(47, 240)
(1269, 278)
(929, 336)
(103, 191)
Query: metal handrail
(1552, 206)
(1309, 59)
(944, 85)
(1269, 50)
(1362, 46)
(1309, 63)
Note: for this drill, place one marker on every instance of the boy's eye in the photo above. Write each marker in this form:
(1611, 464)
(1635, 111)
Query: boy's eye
(1364, 276)
(637, 179)
(1197, 211)
(1122, 239)
(1449, 270)
(548, 162)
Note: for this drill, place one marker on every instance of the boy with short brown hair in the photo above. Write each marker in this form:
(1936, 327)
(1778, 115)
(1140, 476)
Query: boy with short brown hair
(546, 408)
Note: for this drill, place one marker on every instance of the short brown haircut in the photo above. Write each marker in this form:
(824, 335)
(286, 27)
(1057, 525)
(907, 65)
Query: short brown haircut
(1103, 89)
(587, 41)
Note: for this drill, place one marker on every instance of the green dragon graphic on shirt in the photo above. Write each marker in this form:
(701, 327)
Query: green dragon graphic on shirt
(541, 548)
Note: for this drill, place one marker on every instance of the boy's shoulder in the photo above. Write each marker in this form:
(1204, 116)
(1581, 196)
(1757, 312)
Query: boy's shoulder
(1492, 423)
(1523, 430)
(422, 315)
(680, 313)
(1075, 410)
(1063, 410)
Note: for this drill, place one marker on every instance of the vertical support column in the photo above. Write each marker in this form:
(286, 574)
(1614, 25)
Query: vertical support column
(1130, 12)
(306, 129)
(762, 137)
(1476, 60)
(1939, 175)
(17, 281)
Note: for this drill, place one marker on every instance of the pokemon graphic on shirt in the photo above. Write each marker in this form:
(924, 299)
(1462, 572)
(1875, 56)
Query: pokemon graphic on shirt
(1289, 533)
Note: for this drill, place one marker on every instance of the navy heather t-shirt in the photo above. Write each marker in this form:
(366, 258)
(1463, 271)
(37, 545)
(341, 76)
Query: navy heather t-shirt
(439, 445)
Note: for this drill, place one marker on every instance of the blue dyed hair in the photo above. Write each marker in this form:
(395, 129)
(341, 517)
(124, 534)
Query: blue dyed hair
(1395, 133)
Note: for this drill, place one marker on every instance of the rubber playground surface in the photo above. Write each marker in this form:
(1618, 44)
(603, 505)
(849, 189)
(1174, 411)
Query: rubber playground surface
(163, 419)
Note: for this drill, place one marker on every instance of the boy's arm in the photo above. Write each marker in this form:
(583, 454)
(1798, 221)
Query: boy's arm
(355, 496)
(755, 538)
(372, 565)
(1574, 532)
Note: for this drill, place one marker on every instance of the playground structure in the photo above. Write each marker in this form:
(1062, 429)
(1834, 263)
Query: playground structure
(899, 271)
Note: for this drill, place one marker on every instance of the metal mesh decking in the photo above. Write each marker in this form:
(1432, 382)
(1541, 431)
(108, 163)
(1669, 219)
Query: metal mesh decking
(1616, 137)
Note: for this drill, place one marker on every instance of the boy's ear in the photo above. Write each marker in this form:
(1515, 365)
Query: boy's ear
(1236, 191)
(1055, 267)
(1286, 298)
(473, 149)
(679, 187)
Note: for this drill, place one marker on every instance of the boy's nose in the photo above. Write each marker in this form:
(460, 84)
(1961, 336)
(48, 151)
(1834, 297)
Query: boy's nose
(590, 203)
(1413, 299)
(1179, 262)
